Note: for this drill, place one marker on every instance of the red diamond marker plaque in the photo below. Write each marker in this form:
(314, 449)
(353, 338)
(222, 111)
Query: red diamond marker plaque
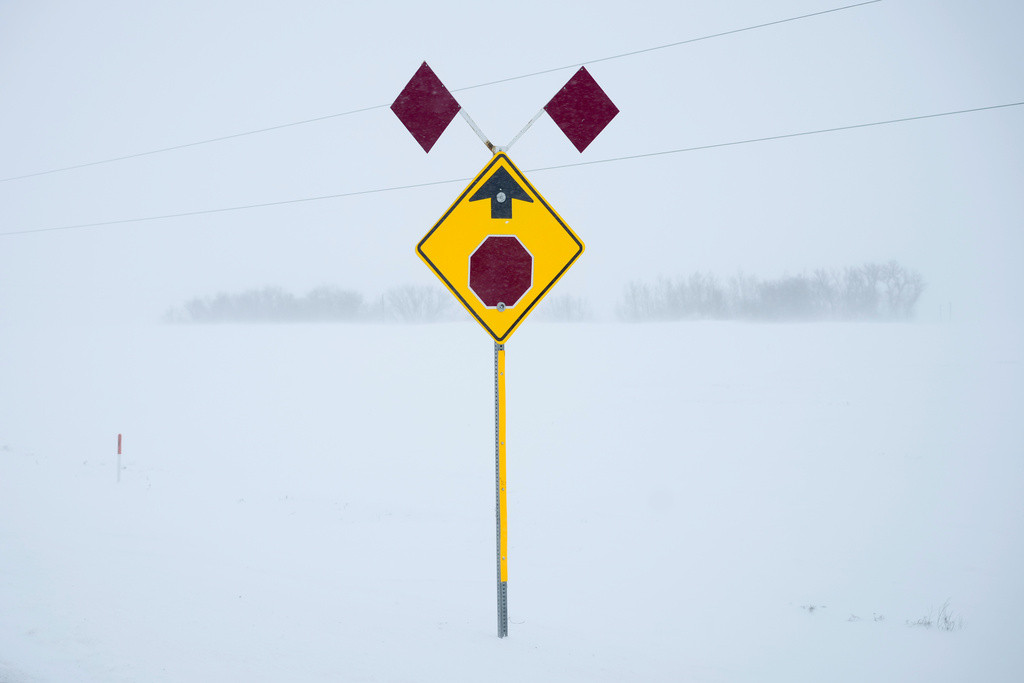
(425, 107)
(581, 109)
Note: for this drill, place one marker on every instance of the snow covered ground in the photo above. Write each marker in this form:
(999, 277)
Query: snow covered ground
(687, 502)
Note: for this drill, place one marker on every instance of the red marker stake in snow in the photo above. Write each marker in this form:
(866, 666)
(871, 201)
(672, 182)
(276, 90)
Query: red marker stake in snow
(119, 458)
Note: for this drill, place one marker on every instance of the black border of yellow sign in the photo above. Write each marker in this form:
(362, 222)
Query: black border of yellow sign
(496, 159)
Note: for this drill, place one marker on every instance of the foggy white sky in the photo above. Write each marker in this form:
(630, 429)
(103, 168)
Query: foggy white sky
(89, 81)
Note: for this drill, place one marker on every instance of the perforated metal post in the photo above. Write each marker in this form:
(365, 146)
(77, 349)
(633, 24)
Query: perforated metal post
(501, 507)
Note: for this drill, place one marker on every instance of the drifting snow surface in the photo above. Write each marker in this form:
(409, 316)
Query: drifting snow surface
(687, 502)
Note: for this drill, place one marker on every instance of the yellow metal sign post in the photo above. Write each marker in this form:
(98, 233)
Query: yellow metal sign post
(500, 247)
(501, 502)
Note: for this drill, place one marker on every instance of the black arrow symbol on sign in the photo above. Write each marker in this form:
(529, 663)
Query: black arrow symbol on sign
(501, 188)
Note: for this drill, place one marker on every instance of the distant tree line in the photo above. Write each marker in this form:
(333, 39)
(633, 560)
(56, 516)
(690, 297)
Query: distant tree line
(324, 304)
(563, 308)
(406, 304)
(869, 292)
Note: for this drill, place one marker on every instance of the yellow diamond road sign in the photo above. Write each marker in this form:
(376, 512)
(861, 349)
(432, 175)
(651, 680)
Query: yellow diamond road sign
(500, 247)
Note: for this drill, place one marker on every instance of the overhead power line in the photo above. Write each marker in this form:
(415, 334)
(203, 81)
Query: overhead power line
(396, 188)
(668, 45)
(225, 209)
(186, 145)
(782, 137)
(316, 119)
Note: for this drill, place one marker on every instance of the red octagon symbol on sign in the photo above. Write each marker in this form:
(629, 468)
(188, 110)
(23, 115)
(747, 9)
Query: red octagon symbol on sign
(500, 271)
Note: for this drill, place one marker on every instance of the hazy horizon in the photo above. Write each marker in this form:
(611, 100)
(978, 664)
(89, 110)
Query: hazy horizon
(89, 82)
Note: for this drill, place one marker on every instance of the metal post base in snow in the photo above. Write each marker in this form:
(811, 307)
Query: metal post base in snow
(502, 609)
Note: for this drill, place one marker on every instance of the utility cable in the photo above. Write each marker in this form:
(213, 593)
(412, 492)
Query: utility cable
(236, 208)
(303, 122)
(191, 144)
(668, 45)
(396, 188)
(780, 137)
